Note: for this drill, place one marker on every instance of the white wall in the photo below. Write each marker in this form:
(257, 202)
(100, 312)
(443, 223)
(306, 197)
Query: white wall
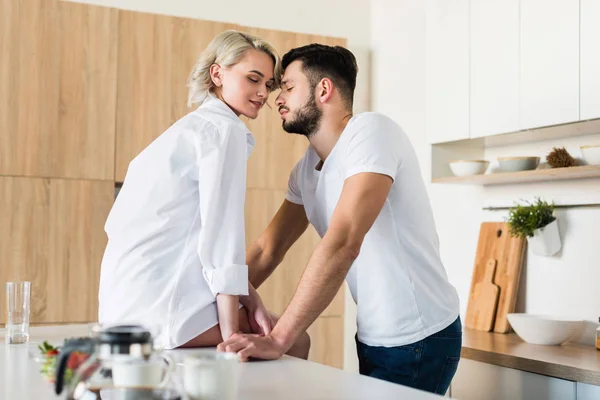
(338, 18)
(567, 284)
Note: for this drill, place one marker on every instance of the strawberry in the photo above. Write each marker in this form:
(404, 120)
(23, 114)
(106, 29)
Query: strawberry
(51, 353)
(76, 359)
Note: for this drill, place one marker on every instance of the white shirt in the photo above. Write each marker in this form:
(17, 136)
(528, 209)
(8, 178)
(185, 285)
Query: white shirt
(176, 231)
(398, 281)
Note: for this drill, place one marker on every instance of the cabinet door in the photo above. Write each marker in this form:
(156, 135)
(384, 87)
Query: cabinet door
(57, 89)
(447, 65)
(476, 380)
(549, 63)
(590, 59)
(52, 234)
(494, 44)
(587, 392)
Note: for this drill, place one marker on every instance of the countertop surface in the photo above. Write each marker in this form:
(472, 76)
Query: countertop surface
(571, 361)
(287, 378)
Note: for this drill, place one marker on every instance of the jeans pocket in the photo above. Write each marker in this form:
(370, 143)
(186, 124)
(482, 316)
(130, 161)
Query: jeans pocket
(446, 374)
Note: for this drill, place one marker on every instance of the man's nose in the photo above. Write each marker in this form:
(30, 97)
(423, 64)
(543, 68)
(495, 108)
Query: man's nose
(279, 100)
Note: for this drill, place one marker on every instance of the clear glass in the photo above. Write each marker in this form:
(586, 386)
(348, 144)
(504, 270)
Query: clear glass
(18, 295)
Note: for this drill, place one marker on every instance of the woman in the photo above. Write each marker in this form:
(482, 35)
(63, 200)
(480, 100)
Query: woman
(176, 250)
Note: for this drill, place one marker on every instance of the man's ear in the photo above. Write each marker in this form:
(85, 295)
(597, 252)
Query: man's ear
(324, 90)
(215, 74)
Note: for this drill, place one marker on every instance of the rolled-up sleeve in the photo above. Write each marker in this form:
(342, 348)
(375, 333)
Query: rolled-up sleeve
(221, 159)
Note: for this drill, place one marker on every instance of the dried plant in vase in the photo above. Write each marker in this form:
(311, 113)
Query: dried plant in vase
(560, 158)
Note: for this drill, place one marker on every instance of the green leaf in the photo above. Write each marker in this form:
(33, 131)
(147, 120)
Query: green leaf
(525, 219)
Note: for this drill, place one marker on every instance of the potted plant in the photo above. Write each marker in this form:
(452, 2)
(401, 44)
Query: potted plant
(536, 222)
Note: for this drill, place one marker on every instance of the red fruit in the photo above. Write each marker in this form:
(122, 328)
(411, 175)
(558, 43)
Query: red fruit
(76, 359)
(51, 353)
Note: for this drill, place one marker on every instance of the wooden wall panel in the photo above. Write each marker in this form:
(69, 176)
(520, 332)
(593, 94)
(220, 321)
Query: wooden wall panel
(53, 235)
(57, 89)
(156, 55)
(327, 341)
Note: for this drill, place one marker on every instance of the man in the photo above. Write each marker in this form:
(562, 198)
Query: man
(360, 186)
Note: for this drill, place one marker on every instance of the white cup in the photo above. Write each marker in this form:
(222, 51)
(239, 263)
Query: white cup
(211, 375)
(150, 373)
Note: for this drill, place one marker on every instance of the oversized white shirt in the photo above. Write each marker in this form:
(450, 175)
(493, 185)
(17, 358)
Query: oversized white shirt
(176, 231)
(398, 281)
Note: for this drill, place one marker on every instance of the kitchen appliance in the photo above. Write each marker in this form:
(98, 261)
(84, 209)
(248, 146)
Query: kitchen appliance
(123, 365)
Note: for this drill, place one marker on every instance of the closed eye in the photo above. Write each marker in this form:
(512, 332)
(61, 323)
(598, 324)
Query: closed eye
(253, 80)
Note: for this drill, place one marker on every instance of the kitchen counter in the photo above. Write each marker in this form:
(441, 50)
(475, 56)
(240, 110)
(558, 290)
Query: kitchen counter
(571, 361)
(288, 378)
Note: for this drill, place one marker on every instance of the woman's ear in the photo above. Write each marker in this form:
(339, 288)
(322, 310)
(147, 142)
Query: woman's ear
(215, 74)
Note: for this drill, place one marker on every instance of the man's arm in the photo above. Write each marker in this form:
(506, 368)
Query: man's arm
(361, 201)
(267, 252)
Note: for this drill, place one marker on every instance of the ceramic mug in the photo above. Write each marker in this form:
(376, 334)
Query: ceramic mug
(211, 375)
(152, 373)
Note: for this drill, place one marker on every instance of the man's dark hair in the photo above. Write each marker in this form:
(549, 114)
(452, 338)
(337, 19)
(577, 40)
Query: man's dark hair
(334, 62)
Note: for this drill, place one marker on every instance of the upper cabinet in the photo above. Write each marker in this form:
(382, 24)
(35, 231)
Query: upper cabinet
(57, 89)
(494, 81)
(447, 88)
(549, 62)
(590, 59)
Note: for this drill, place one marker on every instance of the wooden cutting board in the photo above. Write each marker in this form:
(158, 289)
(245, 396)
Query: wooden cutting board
(495, 243)
(484, 300)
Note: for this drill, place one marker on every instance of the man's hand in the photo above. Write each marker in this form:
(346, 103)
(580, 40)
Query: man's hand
(263, 347)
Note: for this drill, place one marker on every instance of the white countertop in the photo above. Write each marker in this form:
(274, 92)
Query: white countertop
(288, 378)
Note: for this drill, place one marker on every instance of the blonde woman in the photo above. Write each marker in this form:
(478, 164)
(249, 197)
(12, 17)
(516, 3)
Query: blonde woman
(176, 251)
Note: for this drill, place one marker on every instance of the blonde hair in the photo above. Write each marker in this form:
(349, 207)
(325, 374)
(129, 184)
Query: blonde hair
(226, 49)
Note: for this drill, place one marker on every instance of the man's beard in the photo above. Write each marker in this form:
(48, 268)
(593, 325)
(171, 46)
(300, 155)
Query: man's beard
(307, 120)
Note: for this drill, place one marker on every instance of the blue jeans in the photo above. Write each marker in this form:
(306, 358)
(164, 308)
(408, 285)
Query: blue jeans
(429, 364)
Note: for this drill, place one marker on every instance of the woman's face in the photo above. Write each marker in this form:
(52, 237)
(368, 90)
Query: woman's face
(245, 86)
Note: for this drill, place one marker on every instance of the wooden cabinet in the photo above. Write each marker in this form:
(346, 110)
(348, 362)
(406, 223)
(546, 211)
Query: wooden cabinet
(327, 341)
(447, 88)
(587, 392)
(476, 380)
(590, 59)
(57, 89)
(494, 67)
(549, 62)
(156, 55)
(52, 234)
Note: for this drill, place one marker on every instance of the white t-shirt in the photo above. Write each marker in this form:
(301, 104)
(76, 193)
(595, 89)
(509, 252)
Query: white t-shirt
(176, 231)
(398, 281)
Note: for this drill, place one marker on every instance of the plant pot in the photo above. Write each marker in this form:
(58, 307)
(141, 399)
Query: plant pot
(545, 241)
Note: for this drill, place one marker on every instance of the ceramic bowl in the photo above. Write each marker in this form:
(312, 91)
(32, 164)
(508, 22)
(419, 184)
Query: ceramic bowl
(515, 164)
(468, 167)
(591, 154)
(545, 329)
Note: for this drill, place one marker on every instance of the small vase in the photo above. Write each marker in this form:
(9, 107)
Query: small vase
(545, 241)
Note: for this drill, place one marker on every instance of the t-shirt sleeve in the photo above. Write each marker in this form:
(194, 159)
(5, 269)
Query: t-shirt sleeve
(293, 194)
(374, 146)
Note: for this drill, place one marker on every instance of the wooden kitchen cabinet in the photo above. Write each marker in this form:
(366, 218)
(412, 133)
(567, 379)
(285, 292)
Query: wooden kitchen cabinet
(494, 67)
(476, 380)
(156, 56)
(447, 70)
(549, 62)
(327, 341)
(57, 89)
(590, 59)
(52, 234)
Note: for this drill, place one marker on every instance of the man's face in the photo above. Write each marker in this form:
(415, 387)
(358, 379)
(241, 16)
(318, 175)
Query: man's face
(296, 102)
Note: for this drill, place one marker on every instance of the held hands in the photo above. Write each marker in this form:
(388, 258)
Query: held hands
(264, 347)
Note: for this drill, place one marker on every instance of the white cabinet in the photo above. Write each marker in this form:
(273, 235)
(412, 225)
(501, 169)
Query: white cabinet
(475, 380)
(587, 392)
(549, 62)
(590, 59)
(447, 52)
(494, 67)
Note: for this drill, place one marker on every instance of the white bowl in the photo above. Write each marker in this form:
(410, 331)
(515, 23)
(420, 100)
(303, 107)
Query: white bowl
(515, 164)
(468, 167)
(545, 329)
(591, 154)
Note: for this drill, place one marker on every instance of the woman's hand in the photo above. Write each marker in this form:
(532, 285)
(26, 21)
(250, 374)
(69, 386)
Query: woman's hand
(260, 319)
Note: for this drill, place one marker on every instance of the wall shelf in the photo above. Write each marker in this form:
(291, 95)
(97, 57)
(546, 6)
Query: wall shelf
(538, 175)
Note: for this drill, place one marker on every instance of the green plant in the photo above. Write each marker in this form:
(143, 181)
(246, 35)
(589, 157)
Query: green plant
(524, 219)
